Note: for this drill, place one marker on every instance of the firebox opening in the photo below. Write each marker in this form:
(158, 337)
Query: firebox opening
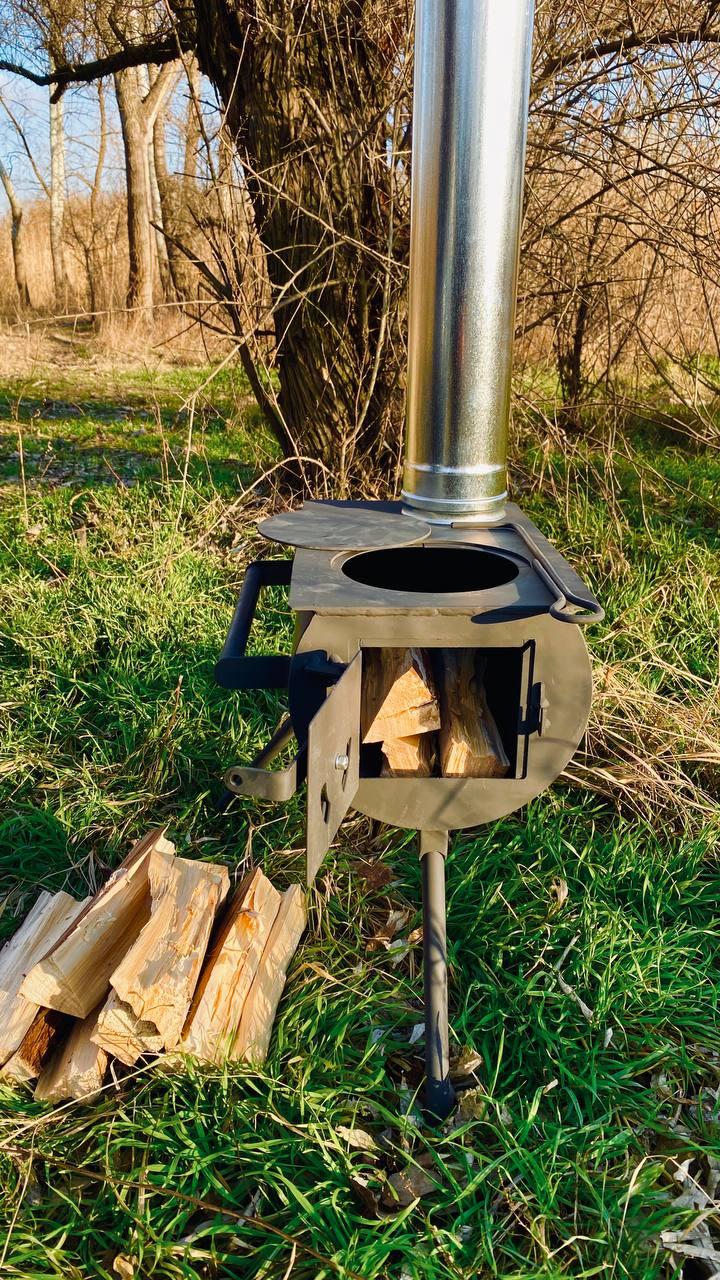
(442, 569)
(439, 712)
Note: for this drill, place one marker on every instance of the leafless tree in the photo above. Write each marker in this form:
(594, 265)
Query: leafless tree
(17, 232)
(315, 94)
(139, 106)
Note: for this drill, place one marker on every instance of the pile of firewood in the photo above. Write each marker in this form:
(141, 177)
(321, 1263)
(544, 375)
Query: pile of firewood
(160, 960)
(429, 712)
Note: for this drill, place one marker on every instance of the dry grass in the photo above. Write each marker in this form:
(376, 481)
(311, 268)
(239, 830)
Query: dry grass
(654, 755)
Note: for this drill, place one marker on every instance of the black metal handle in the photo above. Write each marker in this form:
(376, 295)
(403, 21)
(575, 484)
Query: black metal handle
(586, 609)
(233, 669)
(559, 577)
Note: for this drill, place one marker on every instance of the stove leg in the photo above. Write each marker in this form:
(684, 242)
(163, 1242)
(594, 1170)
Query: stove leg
(439, 1093)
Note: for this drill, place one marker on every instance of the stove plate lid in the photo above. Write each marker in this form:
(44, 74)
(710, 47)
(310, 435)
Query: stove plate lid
(345, 526)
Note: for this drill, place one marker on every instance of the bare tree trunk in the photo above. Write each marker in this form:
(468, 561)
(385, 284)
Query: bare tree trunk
(57, 202)
(159, 241)
(192, 129)
(570, 346)
(17, 232)
(94, 264)
(158, 164)
(138, 113)
(172, 221)
(307, 100)
(139, 199)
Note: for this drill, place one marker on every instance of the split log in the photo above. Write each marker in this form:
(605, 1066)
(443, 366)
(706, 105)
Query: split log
(158, 975)
(470, 744)
(230, 969)
(77, 1069)
(412, 757)
(74, 976)
(253, 1036)
(45, 1033)
(121, 1033)
(399, 698)
(46, 922)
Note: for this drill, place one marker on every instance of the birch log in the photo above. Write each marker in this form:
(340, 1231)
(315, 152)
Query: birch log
(77, 1069)
(120, 1032)
(230, 968)
(253, 1036)
(75, 974)
(399, 697)
(46, 922)
(158, 975)
(470, 744)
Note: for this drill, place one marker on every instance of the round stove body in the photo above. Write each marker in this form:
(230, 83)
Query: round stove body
(537, 675)
(366, 577)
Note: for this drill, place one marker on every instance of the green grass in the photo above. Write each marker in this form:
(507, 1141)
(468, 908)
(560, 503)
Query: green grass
(596, 1020)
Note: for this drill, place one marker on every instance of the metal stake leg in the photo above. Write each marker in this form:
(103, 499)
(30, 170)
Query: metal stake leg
(439, 1093)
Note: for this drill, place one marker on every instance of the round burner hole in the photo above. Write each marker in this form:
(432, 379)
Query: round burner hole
(431, 570)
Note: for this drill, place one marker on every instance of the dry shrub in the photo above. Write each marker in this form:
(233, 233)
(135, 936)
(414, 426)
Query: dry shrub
(656, 756)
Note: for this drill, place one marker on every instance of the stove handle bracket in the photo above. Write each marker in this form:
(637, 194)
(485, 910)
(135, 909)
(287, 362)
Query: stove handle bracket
(233, 669)
(257, 780)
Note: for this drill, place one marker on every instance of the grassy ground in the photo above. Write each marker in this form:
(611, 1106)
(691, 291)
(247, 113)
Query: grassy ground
(585, 946)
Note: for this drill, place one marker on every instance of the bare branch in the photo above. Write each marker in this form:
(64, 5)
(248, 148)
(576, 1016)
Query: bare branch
(156, 52)
(627, 43)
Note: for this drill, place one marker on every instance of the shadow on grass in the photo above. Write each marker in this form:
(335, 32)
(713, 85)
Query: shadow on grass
(26, 409)
(67, 464)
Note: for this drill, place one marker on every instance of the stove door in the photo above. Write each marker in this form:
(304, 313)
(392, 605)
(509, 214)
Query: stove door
(333, 763)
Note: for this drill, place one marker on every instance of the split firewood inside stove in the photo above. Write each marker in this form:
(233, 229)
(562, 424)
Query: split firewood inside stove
(230, 968)
(121, 1033)
(470, 744)
(253, 1036)
(399, 698)
(74, 975)
(158, 975)
(77, 1069)
(45, 1033)
(400, 710)
(412, 757)
(46, 922)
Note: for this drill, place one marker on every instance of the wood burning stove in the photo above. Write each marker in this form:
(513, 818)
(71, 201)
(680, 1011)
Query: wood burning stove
(453, 567)
(502, 592)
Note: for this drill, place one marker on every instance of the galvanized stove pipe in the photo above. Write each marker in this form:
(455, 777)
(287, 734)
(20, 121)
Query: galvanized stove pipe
(471, 95)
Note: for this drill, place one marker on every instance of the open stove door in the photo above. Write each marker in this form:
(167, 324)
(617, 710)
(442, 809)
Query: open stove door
(333, 763)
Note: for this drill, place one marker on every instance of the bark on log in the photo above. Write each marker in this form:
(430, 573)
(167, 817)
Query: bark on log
(47, 921)
(77, 1069)
(158, 975)
(399, 697)
(42, 1037)
(231, 965)
(75, 974)
(253, 1036)
(470, 745)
